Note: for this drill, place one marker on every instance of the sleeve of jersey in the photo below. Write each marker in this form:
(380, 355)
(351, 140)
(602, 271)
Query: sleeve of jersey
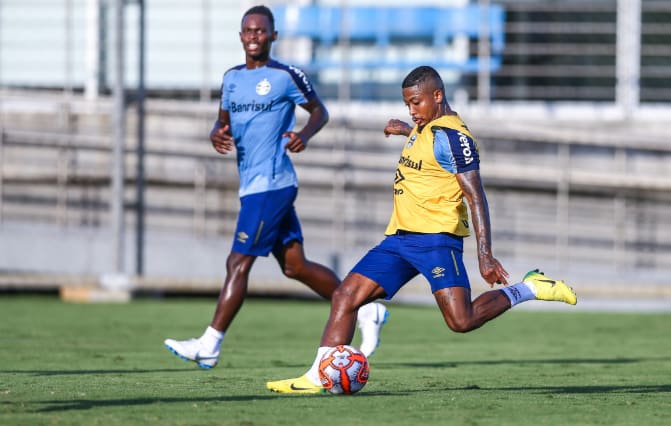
(455, 151)
(301, 91)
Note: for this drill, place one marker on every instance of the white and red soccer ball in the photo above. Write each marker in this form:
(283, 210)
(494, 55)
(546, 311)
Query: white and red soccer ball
(343, 370)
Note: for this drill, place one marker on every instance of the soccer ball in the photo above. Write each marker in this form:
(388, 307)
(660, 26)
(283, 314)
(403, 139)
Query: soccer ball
(343, 370)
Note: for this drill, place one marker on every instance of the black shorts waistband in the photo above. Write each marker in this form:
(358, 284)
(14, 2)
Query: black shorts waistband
(404, 232)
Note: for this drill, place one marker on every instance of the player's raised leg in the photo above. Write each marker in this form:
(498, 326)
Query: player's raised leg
(462, 315)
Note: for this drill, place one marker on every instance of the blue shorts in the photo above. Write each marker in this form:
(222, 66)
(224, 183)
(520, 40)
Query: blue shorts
(267, 222)
(399, 258)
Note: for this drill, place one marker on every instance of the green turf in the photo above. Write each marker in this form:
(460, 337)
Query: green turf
(106, 365)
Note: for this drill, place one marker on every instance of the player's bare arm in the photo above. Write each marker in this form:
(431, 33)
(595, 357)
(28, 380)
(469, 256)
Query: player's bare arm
(490, 268)
(319, 116)
(397, 127)
(220, 135)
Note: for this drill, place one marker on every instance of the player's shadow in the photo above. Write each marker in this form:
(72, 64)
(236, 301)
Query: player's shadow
(555, 390)
(99, 372)
(625, 389)
(489, 362)
(88, 404)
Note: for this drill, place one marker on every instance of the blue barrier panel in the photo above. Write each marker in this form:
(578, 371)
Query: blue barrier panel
(383, 27)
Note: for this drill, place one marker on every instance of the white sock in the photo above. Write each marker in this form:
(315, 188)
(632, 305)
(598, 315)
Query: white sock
(520, 292)
(212, 338)
(313, 372)
(367, 312)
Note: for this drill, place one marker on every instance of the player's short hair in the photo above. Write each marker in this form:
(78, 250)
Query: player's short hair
(422, 75)
(261, 10)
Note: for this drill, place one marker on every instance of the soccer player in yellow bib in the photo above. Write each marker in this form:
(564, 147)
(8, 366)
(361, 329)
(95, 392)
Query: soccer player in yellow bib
(437, 183)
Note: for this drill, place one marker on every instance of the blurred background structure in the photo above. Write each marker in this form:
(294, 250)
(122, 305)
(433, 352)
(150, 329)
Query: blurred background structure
(107, 175)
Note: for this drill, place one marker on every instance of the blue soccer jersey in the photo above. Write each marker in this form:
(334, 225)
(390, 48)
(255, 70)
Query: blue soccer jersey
(261, 103)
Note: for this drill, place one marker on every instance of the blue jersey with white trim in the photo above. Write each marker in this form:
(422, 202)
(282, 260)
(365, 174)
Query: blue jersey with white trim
(261, 103)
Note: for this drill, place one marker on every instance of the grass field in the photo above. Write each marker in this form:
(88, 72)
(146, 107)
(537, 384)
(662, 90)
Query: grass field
(106, 365)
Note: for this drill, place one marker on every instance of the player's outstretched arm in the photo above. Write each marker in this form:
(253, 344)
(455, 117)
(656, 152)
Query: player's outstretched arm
(397, 127)
(490, 268)
(319, 116)
(220, 135)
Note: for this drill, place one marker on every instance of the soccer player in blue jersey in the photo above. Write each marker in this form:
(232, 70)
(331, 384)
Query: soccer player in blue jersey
(256, 118)
(438, 175)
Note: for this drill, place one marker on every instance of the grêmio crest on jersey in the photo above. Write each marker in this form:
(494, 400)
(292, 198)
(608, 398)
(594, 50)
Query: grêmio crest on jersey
(263, 87)
(412, 140)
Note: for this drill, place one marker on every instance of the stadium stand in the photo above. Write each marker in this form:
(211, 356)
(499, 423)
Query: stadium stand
(378, 27)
